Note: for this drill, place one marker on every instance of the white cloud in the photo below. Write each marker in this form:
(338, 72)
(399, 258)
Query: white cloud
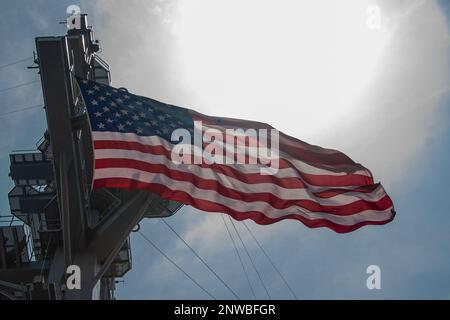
(400, 109)
(331, 80)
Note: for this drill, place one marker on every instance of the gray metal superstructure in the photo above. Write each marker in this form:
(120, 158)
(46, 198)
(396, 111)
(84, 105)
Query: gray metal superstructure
(58, 219)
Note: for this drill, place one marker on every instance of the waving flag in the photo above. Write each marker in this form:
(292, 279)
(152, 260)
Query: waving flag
(135, 146)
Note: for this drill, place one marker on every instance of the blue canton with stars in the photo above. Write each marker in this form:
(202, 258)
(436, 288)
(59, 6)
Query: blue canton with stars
(117, 110)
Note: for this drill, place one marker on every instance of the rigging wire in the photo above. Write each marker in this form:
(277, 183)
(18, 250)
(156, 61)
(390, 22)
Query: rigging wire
(176, 265)
(239, 256)
(271, 262)
(45, 256)
(200, 258)
(250, 258)
(19, 85)
(22, 109)
(15, 62)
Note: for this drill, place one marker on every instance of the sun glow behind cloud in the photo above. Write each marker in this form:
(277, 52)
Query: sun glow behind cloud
(312, 69)
(305, 60)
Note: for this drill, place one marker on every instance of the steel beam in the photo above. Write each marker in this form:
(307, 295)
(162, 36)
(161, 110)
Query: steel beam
(53, 56)
(109, 236)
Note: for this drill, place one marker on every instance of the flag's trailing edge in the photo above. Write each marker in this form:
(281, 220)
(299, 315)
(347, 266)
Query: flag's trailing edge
(135, 141)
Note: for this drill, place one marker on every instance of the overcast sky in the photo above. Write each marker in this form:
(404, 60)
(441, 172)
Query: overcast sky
(314, 70)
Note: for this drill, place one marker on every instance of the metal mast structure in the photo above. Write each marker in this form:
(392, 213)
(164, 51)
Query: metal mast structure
(62, 221)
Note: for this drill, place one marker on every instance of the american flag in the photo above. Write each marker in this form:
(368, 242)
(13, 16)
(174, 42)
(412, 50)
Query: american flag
(319, 187)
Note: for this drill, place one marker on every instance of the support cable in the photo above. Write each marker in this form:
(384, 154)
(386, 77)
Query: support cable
(20, 110)
(15, 62)
(271, 262)
(176, 265)
(239, 256)
(201, 259)
(45, 256)
(19, 85)
(250, 258)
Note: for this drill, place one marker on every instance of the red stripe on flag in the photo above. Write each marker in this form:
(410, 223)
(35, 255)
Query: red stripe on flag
(205, 205)
(276, 202)
(295, 147)
(317, 180)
